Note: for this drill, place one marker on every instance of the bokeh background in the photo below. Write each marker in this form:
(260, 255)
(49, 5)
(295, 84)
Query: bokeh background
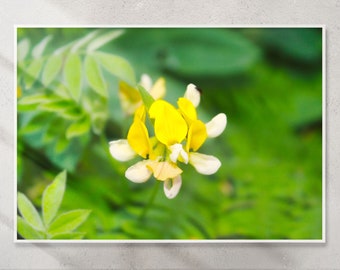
(269, 83)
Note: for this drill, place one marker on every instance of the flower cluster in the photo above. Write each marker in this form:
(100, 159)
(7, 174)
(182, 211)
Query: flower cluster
(165, 136)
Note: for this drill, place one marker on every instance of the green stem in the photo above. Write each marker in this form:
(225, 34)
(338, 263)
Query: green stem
(104, 142)
(151, 200)
(105, 145)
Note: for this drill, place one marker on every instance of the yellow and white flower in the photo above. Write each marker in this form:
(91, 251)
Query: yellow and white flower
(139, 143)
(178, 134)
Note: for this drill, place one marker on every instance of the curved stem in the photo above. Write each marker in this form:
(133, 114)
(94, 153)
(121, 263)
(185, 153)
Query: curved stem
(151, 200)
(105, 145)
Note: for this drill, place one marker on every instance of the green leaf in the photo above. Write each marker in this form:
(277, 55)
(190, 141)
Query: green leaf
(23, 48)
(52, 197)
(54, 127)
(118, 66)
(35, 124)
(32, 72)
(38, 50)
(98, 122)
(72, 75)
(99, 111)
(70, 157)
(68, 221)
(61, 144)
(62, 91)
(199, 52)
(94, 76)
(27, 231)
(51, 69)
(25, 108)
(209, 52)
(64, 48)
(29, 213)
(33, 99)
(83, 41)
(146, 97)
(73, 235)
(103, 39)
(78, 128)
(71, 113)
(55, 106)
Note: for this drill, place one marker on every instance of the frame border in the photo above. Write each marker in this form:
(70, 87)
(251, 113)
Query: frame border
(169, 241)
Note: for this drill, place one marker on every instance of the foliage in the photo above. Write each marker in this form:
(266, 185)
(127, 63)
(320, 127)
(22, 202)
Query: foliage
(31, 226)
(63, 100)
(267, 81)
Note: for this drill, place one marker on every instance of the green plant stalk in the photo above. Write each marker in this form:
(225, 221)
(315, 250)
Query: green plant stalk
(105, 145)
(151, 201)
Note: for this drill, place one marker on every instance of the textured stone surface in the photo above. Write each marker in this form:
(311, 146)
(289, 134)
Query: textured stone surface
(163, 13)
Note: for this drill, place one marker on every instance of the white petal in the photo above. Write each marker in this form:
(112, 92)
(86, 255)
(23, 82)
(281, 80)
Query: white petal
(216, 125)
(121, 150)
(172, 186)
(204, 164)
(146, 82)
(176, 151)
(138, 173)
(193, 94)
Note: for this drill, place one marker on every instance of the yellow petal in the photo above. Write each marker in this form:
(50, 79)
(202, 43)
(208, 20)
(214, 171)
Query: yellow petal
(158, 89)
(164, 170)
(187, 109)
(129, 97)
(158, 107)
(170, 127)
(138, 138)
(140, 113)
(197, 135)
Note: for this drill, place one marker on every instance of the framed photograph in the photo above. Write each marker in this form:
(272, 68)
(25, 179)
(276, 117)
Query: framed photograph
(167, 134)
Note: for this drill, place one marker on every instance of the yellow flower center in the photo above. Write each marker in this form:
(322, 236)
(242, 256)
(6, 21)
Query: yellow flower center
(164, 170)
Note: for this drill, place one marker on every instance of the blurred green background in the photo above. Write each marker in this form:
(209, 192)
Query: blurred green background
(268, 81)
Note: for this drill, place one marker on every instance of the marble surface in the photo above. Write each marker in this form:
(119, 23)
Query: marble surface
(169, 256)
